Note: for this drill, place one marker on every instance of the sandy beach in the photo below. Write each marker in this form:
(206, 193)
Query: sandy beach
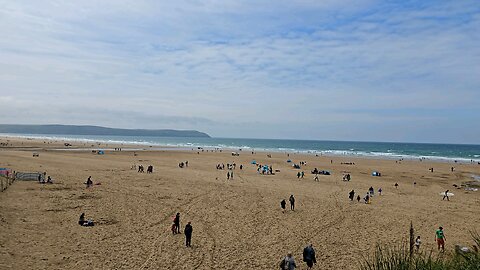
(237, 224)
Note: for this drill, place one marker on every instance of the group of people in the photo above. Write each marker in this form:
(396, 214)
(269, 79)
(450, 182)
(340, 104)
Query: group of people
(283, 203)
(265, 169)
(43, 179)
(229, 166)
(368, 196)
(187, 231)
(141, 169)
(288, 262)
(317, 171)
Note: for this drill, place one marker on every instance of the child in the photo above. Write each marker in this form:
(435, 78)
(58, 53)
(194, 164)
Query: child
(358, 198)
(417, 243)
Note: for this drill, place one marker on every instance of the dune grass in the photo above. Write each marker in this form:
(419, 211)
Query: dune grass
(398, 258)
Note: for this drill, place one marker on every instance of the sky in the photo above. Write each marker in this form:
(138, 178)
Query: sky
(362, 70)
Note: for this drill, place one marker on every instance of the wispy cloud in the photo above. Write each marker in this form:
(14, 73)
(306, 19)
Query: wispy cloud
(302, 69)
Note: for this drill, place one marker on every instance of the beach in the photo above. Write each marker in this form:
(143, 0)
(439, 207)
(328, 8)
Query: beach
(237, 223)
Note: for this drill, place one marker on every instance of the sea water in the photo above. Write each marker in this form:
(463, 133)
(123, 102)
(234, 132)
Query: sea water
(447, 152)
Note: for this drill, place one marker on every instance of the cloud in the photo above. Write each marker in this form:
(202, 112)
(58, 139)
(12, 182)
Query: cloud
(271, 66)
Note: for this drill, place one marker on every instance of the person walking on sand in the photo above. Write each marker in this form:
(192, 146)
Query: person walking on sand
(231, 175)
(396, 185)
(283, 204)
(177, 223)
(380, 191)
(358, 198)
(298, 175)
(440, 238)
(351, 195)
(446, 195)
(288, 262)
(309, 256)
(292, 202)
(228, 175)
(302, 174)
(418, 242)
(188, 234)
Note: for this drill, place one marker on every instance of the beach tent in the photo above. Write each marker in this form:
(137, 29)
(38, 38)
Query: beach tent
(253, 162)
(376, 174)
(100, 152)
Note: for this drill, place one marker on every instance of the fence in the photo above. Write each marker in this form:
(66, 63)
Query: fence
(5, 182)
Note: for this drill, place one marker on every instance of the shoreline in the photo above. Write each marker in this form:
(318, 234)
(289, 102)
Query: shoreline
(96, 144)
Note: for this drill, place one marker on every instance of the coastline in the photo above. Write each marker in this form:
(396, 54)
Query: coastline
(107, 144)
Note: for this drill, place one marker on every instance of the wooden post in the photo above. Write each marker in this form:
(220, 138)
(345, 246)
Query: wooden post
(412, 239)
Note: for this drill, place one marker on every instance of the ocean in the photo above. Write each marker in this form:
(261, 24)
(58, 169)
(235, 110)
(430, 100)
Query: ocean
(445, 152)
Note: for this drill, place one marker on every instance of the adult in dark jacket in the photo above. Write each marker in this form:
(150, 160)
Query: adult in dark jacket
(292, 202)
(188, 234)
(177, 223)
(351, 195)
(309, 256)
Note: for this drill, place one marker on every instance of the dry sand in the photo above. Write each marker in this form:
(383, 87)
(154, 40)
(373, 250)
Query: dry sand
(237, 224)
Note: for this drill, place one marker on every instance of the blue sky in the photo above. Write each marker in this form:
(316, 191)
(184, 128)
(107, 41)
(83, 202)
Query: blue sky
(337, 70)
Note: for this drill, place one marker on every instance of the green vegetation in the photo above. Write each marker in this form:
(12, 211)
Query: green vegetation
(398, 258)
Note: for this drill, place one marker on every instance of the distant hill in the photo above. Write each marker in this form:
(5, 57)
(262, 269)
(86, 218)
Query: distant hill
(95, 130)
